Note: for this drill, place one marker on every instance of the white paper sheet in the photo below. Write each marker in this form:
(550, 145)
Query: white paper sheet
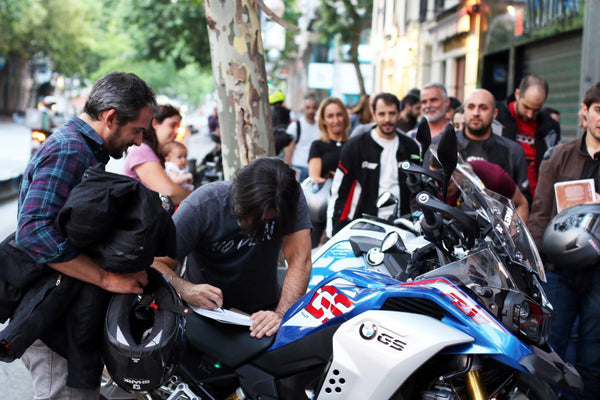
(226, 316)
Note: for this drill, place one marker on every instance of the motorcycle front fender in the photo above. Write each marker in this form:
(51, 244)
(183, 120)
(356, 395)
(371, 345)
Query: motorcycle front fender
(551, 368)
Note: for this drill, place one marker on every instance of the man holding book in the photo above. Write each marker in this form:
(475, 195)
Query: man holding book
(574, 292)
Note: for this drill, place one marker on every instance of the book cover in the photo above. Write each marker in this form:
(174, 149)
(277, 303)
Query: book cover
(572, 193)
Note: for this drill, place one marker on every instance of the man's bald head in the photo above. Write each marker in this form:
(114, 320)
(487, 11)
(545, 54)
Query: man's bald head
(480, 111)
(530, 97)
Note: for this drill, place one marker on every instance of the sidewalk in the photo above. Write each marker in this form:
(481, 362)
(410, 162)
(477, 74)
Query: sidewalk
(14, 155)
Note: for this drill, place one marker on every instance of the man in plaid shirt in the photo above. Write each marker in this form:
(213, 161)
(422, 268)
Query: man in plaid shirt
(118, 110)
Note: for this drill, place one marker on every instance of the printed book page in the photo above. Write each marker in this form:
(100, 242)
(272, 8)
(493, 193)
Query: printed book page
(226, 316)
(572, 193)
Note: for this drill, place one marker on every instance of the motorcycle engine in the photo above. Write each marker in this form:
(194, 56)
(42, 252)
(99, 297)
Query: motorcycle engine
(440, 392)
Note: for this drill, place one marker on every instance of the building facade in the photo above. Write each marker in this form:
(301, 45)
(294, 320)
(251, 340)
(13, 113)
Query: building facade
(466, 44)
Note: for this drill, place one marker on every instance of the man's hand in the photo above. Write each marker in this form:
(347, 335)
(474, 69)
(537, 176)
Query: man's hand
(85, 269)
(125, 283)
(264, 323)
(203, 296)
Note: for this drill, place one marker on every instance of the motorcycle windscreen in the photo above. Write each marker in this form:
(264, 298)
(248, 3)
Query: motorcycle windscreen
(509, 230)
(478, 270)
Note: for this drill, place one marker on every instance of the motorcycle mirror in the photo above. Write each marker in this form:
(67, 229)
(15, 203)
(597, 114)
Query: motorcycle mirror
(447, 155)
(390, 241)
(424, 135)
(386, 199)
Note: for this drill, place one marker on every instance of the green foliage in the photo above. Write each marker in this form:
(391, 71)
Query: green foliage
(119, 44)
(163, 41)
(345, 20)
(169, 30)
(56, 29)
(189, 84)
(18, 20)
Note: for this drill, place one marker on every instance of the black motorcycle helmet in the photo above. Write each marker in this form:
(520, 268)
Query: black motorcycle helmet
(572, 239)
(144, 335)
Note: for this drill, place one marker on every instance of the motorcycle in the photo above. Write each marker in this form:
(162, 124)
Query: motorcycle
(448, 308)
(210, 168)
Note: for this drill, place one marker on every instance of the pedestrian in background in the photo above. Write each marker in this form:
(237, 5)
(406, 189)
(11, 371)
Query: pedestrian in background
(214, 128)
(453, 105)
(304, 131)
(146, 163)
(522, 120)
(360, 114)
(369, 165)
(458, 121)
(176, 164)
(553, 112)
(324, 157)
(477, 141)
(434, 106)
(411, 109)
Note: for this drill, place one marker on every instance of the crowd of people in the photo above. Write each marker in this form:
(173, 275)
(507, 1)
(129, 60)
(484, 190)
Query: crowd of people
(514, 146)
(354, 154)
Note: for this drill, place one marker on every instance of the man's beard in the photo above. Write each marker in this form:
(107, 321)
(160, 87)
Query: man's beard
(479, 132)
(522, 117)
(435, 117)
(391, 129)
(111, 147)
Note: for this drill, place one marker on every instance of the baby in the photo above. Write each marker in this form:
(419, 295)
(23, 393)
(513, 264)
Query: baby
(175, 154)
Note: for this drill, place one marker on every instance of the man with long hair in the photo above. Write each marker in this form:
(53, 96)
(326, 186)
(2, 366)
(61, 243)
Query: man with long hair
(232, 234)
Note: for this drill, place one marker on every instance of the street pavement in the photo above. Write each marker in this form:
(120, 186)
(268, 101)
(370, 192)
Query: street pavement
(15, 382)
(14, 149)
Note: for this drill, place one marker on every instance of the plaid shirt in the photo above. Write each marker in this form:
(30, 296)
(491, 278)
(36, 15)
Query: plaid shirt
(52, 172)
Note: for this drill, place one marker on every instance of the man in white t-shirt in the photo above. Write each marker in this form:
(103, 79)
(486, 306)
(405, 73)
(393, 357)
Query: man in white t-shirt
(369, 166)
(304, 131)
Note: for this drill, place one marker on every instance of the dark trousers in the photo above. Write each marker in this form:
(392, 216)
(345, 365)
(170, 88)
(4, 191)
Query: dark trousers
(577, 294)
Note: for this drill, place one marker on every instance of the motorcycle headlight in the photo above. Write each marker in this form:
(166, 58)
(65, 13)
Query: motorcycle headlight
(525, 318)
(531, 320)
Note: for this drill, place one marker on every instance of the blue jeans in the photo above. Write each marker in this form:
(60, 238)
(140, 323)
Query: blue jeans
(569, 302)
(302, 172)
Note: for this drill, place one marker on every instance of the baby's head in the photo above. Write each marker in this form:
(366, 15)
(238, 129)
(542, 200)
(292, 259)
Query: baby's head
(175, 152)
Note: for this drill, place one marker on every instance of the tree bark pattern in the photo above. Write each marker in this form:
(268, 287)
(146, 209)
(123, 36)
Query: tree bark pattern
(240, 77)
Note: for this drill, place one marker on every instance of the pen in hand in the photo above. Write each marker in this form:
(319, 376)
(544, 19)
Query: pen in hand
(208, 283)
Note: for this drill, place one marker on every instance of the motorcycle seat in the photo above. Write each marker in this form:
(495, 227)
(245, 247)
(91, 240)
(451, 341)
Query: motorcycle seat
(231, 344)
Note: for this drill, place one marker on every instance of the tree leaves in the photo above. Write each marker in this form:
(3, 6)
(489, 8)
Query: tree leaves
(172, 31)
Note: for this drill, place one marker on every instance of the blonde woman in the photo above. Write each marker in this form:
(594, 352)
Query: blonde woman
(323, 157)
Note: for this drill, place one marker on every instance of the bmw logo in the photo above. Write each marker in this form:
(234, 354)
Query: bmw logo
(368, 330)
(375, 256)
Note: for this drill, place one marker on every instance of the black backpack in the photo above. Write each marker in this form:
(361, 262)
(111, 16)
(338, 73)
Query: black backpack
(283, 139)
